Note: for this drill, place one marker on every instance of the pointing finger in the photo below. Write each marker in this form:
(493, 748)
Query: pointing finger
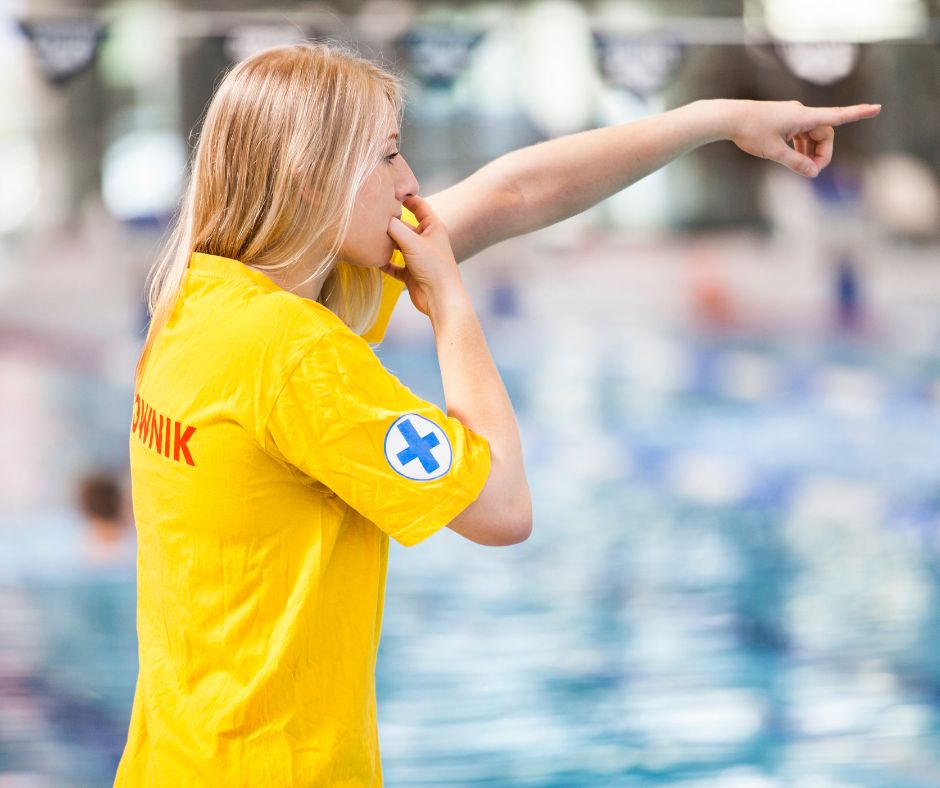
(836, 116)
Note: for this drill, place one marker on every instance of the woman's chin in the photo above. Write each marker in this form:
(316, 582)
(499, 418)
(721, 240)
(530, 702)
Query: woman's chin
(382, 254)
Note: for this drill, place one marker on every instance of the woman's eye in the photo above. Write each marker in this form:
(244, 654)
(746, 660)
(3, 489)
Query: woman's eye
(391, 156)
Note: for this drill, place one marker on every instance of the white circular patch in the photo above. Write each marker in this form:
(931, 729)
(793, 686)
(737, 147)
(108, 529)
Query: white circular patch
(417, 448)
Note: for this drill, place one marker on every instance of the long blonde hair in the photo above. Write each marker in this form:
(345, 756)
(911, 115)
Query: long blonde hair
(288, 139)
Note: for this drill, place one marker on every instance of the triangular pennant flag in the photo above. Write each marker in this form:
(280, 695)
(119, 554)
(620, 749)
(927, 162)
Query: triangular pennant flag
(438, 56)
(64, 47)
(642, 64)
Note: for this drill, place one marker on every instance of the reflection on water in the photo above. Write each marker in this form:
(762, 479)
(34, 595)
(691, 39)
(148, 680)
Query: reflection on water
(68, 657)
(734, 580)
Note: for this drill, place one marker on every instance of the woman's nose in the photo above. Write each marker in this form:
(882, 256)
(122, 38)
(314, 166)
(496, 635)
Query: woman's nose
(408, 186)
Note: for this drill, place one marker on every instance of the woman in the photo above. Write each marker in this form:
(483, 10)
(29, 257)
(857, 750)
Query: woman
(272, 456)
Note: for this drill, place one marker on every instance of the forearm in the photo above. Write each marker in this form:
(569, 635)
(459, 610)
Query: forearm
(473, 389)
(559, 178)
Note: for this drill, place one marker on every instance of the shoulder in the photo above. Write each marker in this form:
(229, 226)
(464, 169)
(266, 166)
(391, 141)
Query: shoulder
(293, 350)
(269, 332)
(291, 311)
(292, 323)
(307, 341)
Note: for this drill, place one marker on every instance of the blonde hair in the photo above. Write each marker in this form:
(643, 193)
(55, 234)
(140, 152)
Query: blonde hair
(288, 139)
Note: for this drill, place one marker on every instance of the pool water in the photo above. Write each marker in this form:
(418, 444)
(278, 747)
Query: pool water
(733, 580)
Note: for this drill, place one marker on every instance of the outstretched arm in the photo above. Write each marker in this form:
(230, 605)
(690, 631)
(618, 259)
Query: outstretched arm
(544, 183)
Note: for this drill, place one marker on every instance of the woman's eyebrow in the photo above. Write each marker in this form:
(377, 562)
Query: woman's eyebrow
(393, 135)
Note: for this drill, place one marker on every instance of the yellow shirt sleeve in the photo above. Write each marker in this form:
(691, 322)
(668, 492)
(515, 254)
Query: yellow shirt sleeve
(391, 290)
(400, 461)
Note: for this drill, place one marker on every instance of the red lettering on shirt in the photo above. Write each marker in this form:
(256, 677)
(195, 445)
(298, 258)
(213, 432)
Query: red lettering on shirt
(145, 423)
(180, 444)
(157, 431)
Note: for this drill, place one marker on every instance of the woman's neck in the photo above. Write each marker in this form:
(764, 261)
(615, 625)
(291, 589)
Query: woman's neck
(292, 279)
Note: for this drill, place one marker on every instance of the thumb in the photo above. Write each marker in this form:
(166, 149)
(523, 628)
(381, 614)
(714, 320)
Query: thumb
(800, 164)
(394, 271)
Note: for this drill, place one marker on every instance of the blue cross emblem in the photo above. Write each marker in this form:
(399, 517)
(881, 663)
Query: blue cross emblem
(418, 448)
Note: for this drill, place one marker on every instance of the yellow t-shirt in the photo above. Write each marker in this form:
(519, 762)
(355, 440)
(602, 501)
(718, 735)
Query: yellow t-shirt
(272, 457)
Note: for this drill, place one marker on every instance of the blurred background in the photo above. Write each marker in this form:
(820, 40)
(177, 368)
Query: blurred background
(727, 378)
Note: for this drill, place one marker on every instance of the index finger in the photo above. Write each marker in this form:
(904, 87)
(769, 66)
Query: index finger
(836, 116)
(417, 205)
(422, 210)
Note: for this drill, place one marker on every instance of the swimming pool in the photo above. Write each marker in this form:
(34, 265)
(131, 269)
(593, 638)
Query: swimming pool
(733, 580)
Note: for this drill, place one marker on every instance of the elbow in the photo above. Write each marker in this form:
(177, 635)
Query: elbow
(519, 523)
(496, 522)
(523, 532)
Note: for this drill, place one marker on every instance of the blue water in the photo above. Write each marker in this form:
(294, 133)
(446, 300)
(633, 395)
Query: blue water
(728, 584)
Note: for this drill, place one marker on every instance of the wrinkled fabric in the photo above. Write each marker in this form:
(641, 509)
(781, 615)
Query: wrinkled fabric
(264, 500)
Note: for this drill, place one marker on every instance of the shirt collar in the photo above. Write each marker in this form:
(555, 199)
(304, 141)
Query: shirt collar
(214, 265)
